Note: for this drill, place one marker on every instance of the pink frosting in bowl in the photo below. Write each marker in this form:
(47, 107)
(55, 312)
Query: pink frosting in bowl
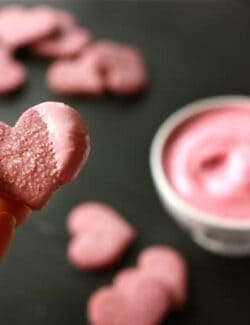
(200, 166)
(207, 161)
(202, 178)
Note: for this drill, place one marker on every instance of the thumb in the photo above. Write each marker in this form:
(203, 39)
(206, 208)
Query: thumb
(18, 210)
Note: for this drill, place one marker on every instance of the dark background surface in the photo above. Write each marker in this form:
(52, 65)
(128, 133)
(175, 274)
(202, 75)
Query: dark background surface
(194, 49)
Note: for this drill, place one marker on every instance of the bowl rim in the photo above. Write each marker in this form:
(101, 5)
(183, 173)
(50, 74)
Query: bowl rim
(163, 186)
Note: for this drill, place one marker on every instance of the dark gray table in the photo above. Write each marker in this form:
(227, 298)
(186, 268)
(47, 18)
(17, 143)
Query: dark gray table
(194, 49)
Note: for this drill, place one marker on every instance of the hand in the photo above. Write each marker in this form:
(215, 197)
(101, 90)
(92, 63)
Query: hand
(12, 214)
(7, 229)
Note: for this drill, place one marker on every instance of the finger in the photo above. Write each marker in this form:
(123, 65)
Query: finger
(7, 229)
(19, 211)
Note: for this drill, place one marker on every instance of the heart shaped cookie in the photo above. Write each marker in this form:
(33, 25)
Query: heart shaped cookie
(12, 73)
(100, 236)
(144, 291)
(65, 19)
(67, 43)
(136, 299)
(103, 66)
(44, 150)
(167, 265)
(110, 307)
(20, 26)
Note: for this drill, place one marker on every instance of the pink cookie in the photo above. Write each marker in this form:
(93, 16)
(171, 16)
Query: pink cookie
(20, 26)
(155, 299)
(167, 265)
(100, 236)
(65, 18)
(109, 307)
(137, 299)
(44, 150)
(103, 66)
(12, 73)
(69, 42)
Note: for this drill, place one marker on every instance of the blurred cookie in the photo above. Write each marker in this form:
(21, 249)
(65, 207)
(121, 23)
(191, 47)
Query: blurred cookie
(20, 26)
(100, 238)
(167, 265)
(105, 66)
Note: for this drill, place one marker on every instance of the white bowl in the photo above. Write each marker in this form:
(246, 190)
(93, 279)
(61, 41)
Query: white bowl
(217, 234)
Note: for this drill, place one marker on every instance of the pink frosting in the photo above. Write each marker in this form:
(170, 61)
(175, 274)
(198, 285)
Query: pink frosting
(207, 161)
(68, 136)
